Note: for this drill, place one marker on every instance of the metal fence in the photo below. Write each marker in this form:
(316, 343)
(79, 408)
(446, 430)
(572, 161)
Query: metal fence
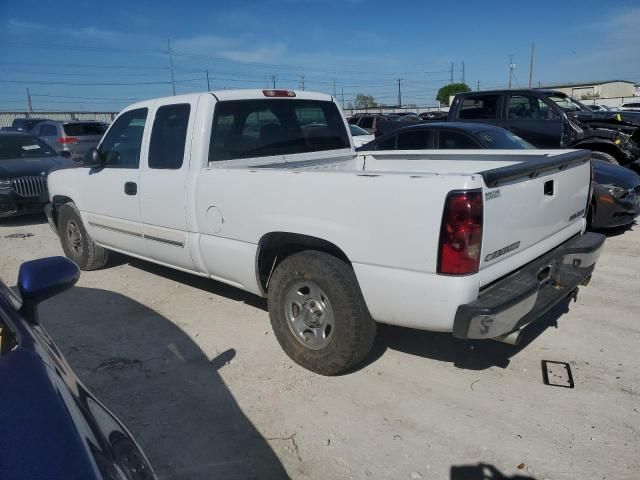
(351, 111)
(6, 118)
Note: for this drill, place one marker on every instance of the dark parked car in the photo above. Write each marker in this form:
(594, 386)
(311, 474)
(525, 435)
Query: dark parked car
(24, 124)
(616, 196)
(71, 139)
(616, 190)
(446, 135)
(551, 119)
(25, 162)
(52, 426)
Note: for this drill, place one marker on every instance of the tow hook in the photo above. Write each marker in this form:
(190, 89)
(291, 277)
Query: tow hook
(586, 281)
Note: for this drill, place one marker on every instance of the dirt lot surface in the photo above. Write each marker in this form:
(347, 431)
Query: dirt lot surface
(193, 369)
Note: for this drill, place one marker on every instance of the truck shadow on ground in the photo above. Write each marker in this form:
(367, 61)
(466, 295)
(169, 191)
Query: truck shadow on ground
(201, 283)
(482, 471)
(158, 381)
(466, 354)
(470, 355)
(617, 231)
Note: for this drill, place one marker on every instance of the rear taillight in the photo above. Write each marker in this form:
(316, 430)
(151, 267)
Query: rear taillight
(461, 233)
(67, 140)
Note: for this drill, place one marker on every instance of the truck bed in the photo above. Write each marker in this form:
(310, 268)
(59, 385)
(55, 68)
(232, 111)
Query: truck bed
(434, 162)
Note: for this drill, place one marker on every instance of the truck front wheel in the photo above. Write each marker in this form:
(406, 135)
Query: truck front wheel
(76, 242)
(318, 313)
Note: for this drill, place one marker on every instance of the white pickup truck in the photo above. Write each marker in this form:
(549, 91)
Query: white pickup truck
(262, 190)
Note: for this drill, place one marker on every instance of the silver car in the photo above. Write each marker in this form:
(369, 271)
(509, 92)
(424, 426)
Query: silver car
(71, 139)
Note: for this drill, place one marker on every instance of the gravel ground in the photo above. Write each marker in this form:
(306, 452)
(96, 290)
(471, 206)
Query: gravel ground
(193, 369)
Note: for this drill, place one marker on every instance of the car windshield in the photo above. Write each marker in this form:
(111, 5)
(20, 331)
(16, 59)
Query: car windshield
(23, 146)
(356, 130)
(567, 103)
(501, 139)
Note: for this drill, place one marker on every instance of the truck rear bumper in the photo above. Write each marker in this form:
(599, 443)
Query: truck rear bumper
(521, 297)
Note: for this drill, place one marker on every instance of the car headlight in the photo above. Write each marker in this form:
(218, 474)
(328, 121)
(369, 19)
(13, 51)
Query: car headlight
(5, 184)
(617, 192)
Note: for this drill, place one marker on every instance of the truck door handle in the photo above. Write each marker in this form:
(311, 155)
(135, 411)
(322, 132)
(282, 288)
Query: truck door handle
(130, 188)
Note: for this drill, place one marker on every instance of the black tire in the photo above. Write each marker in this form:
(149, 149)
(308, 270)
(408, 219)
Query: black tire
(353, 330)
(607, 157)
(84, 252)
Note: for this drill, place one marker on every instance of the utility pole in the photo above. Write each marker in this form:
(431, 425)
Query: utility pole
(302, 81)
(478, 85)
(208, 84)
(273, 80)
(334, 88)
(399, 93)
(462, 72)
(173, 81)
(512, 66)
(29, 106)
(343, 98)
(451, 82)
(533, 52)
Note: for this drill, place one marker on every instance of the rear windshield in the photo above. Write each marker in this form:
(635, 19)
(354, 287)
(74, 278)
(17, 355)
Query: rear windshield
(82, 129)
(23, 146)
(261, 128)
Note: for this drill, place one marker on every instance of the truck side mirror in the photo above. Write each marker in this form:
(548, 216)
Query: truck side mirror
(93, 158)
(44, 278)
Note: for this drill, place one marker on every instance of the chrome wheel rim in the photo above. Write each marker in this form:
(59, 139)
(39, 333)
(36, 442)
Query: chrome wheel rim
(309, 315)
(74, 237)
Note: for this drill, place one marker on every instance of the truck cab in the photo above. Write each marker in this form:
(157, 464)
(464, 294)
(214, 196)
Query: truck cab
(551, 119)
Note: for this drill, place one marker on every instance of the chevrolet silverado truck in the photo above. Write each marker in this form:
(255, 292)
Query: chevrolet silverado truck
(552, 119)
(263, 190)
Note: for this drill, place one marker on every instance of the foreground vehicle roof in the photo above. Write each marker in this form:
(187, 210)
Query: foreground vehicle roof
(240, 94)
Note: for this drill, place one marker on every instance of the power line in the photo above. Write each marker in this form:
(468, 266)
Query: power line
(173, 81)
(39, 82)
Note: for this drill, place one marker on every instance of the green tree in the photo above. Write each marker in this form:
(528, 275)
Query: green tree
(365, 101)
(445, 92)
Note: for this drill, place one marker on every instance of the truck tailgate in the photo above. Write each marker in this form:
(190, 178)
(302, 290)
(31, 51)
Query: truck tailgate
(526, 203)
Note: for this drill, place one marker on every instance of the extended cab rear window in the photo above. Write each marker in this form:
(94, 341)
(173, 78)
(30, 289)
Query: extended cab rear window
(261, 128)
(483, 107)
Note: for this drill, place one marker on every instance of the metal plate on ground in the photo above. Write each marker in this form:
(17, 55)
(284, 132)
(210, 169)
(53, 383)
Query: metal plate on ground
(557, 374)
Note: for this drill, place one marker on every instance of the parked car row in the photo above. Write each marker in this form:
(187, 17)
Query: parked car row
(70, 138)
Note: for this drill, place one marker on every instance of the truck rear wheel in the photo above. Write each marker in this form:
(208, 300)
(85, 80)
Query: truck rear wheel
(318, 313)
(607, 157)
(76, 242)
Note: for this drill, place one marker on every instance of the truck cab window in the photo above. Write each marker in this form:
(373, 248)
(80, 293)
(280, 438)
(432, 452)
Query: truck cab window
(262, 128)
(168, 137)
(528, 107)
(120, 148)
(481, 107)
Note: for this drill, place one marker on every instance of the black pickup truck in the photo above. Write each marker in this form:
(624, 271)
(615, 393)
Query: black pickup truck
(552, 119)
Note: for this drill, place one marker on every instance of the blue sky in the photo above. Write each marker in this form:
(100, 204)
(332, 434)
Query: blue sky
(104, 55)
